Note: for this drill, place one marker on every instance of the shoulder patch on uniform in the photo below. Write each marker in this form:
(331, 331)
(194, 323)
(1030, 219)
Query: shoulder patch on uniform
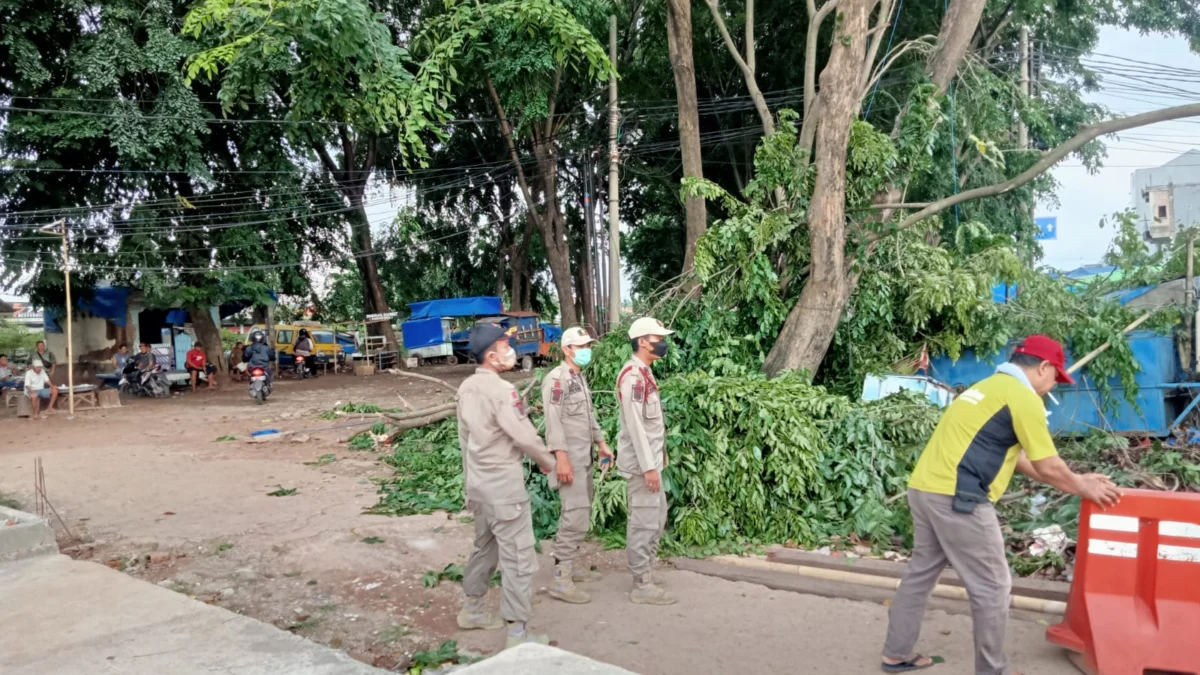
(556, 394)
(639, 391)
(620, 377)
(518, 403)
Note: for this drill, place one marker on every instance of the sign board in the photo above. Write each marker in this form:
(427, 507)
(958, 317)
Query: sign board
(1047, 228)
(382, 317)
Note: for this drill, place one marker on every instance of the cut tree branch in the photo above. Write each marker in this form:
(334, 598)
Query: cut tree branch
(427, 378)
(1087, 135)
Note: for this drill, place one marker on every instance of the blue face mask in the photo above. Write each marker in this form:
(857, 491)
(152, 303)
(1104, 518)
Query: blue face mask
(583, 357)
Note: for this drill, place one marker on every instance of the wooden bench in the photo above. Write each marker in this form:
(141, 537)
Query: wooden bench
(84, 396)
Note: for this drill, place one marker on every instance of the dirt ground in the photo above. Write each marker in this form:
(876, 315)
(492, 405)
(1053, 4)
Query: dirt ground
(149, 488)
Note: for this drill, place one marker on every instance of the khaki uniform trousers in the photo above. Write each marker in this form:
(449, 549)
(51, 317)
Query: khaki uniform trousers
(504, 538)
(576, 517)
(647, 522)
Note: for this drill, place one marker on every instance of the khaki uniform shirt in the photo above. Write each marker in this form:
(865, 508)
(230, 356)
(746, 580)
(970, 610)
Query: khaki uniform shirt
(571, 422)
(643, 440)
(493, 433)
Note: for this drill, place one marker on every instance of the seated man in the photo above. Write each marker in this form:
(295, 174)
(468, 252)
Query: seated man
(198, 363)
(7, 381)
(38, 388)
(145, 357)
(235, 360)
(120, 358)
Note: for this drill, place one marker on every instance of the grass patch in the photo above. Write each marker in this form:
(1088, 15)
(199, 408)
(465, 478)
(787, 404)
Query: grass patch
(433, 658)
(362, 441)
(328, 458)
(226, 437)
(373, 540)
(9, 502)
(282, 492)
(452, 572)
(224, 546)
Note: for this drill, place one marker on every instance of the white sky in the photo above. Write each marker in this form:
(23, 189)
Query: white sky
(1086, 198)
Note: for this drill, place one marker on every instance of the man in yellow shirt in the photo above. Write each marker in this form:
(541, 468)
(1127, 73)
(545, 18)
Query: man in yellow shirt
(991, 430)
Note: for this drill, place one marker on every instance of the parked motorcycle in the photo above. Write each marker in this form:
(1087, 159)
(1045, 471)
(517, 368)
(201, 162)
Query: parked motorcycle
(260, 384)
(138, 382)
(301, 369)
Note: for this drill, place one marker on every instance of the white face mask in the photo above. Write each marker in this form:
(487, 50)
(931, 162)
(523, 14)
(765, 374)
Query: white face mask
(507, 360)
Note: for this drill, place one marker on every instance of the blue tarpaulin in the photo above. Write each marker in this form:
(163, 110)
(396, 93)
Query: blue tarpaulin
(112, 303)
(551, 333)
(107, 302)
(456, 307)
(1125, 296)
(422, 332)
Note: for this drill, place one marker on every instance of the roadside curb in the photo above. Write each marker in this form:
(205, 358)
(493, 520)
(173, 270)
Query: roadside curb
(24, 535)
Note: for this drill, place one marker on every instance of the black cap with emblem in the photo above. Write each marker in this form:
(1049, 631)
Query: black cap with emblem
(484, 335)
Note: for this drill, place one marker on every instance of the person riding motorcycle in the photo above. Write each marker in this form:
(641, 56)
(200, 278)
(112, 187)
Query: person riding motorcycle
(304, 347)
(258, 354)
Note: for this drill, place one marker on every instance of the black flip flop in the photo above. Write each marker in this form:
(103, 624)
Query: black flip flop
(907, 666)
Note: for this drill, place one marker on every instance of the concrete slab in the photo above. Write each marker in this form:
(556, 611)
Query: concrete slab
(540, 660)
(64, 617)
(24, 535)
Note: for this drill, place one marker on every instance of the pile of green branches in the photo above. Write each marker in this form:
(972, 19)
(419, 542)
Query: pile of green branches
(751, 460)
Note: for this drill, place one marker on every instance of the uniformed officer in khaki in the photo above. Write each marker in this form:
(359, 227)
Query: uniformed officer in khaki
(571, 432)
(494, 434)
(641, 457)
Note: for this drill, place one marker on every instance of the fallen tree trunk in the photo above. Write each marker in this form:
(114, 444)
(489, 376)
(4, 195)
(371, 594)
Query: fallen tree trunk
(425, 420)
(419, 414)
(427, 378)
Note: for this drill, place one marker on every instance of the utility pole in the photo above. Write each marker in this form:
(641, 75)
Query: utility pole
(614, 219)
(590, 241)
(1189, 297)
(1022, 130)
(59, 227)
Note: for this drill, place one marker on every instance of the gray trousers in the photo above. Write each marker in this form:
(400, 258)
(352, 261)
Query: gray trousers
(504, 537)
(974, 545)
(647, 522)
(576, 516)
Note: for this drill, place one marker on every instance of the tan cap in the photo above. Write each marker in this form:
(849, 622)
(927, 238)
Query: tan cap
(648, 325)
(576, 337)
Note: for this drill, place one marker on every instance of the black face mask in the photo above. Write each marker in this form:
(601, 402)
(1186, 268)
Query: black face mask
(659, 348)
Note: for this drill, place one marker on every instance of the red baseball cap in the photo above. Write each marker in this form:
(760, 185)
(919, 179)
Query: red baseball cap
(1047, 349)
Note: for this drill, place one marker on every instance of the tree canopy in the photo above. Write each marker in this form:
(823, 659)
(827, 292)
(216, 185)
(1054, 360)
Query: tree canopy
(235, 146)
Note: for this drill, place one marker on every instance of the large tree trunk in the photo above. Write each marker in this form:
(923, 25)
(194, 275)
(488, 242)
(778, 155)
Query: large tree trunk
(374, 299)
(548, 219)
(553, 228)
(679, 46)
(520, 265)
(209, 334)
(810, 325)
